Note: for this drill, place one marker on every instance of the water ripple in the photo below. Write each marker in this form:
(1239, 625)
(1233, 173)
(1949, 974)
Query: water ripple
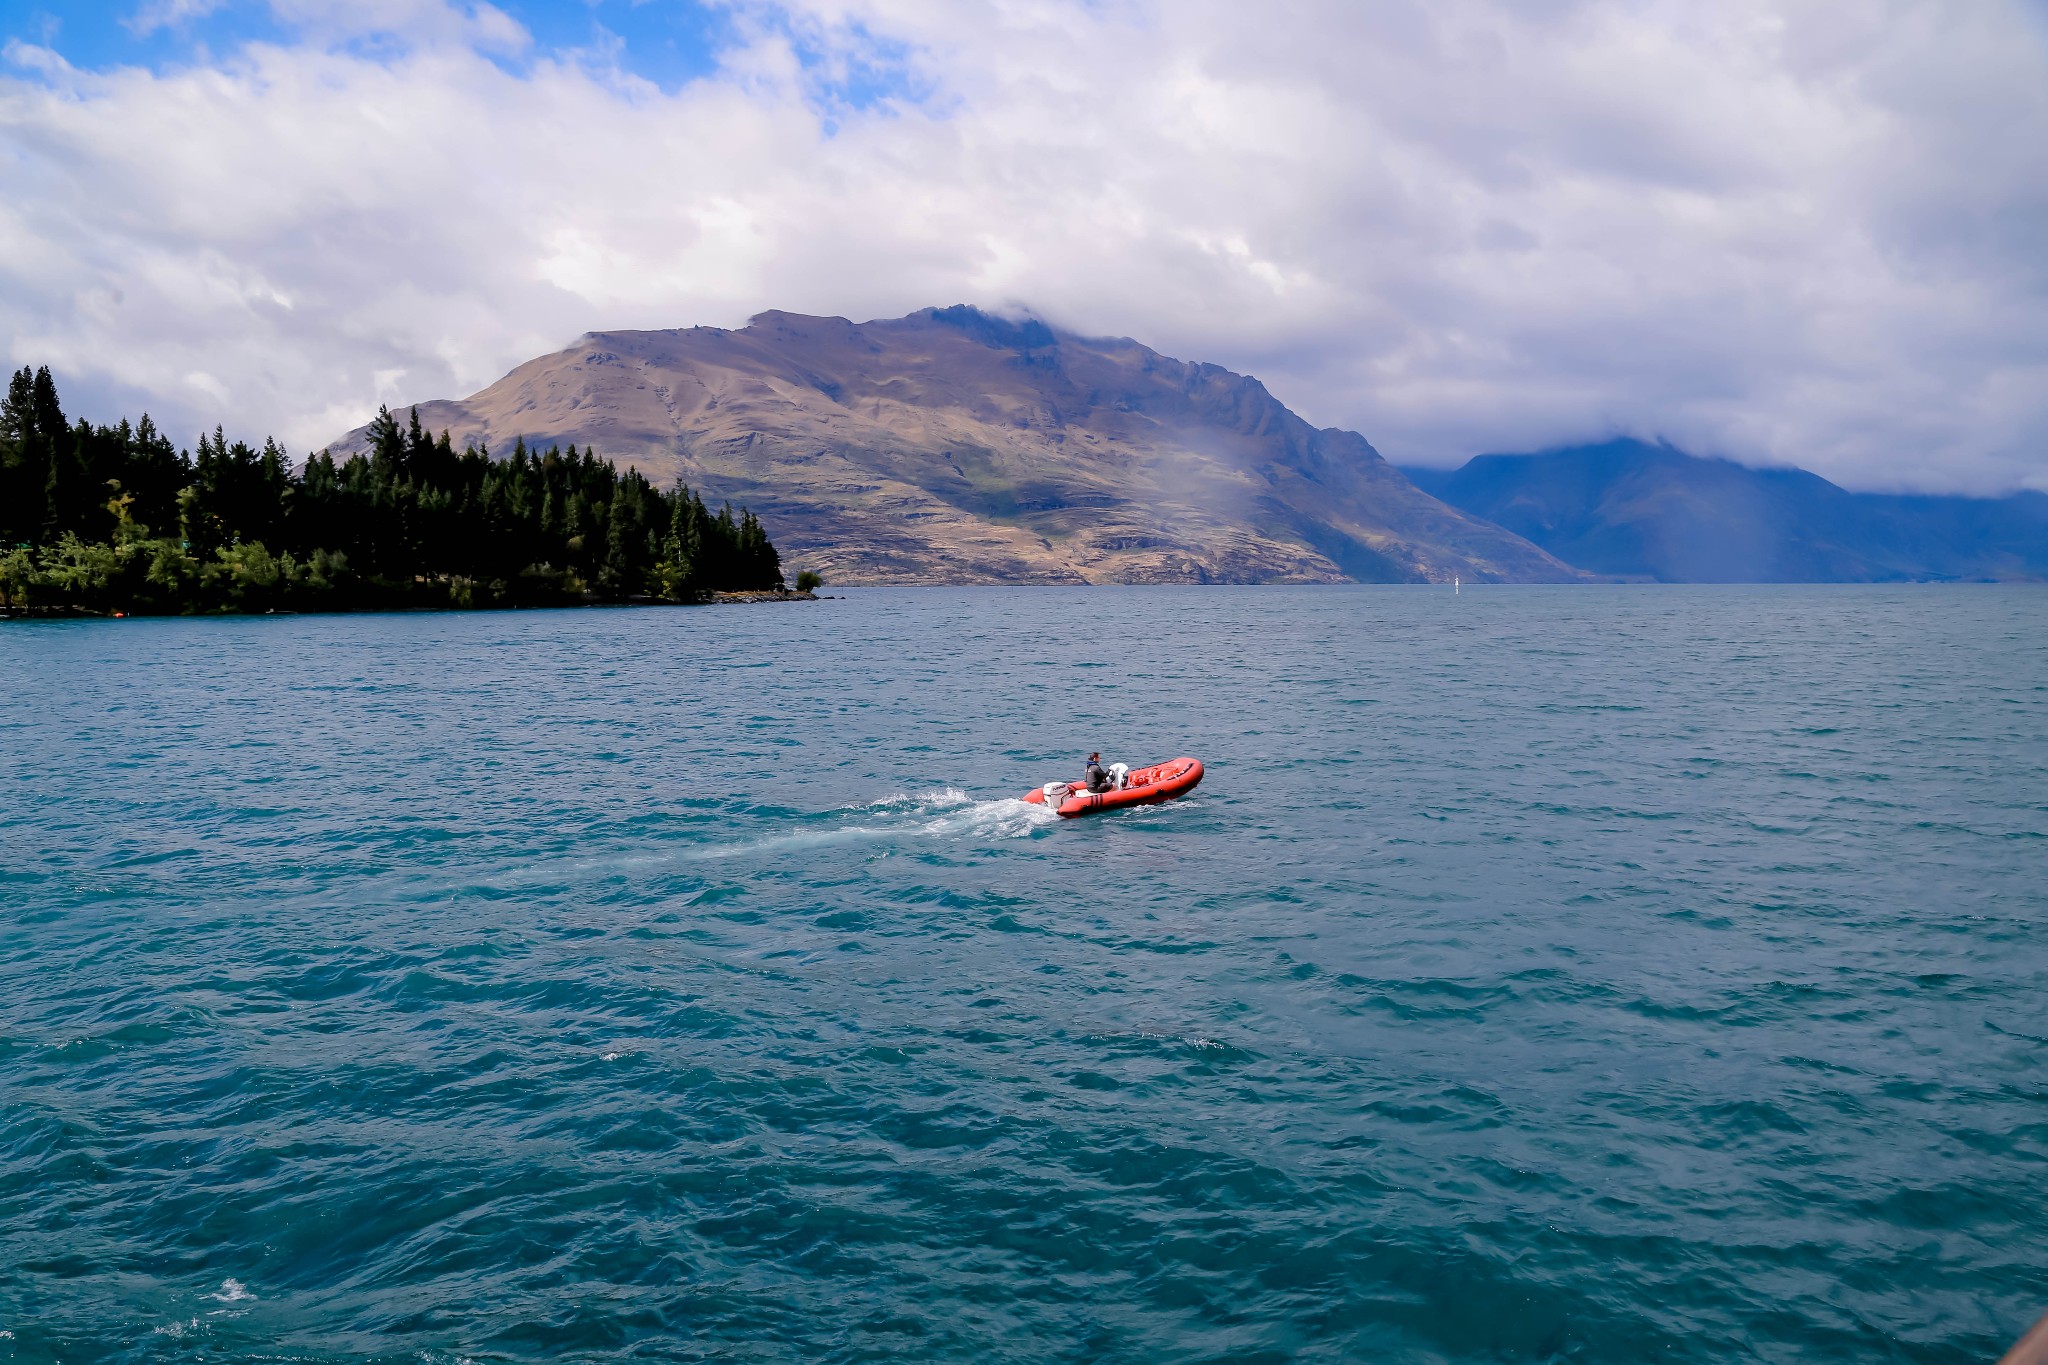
(1574, 974)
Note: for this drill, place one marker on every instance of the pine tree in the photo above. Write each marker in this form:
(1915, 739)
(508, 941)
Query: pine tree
(49, 412)
(387, 445)
(21, 467)
(621, 575)
(682, 547)
(760, 565)
(70, 502)
(66, 498)
(103, 516)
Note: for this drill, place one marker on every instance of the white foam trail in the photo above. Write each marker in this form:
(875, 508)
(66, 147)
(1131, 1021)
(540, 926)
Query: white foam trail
(779, 842)
(1006, 819)
(963, 818)
(944, 799)
(947, 813)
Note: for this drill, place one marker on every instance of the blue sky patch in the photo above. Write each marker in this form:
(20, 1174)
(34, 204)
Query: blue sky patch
(668, 42)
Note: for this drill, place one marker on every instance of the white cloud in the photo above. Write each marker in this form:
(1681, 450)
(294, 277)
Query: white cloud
(1804, 232)
(160, 14)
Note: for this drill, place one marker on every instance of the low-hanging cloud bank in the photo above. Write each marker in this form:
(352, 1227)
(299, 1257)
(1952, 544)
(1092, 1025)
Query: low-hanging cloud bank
(1808, 232)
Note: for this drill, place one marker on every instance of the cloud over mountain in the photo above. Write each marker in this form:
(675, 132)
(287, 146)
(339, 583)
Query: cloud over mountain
(1785, 232)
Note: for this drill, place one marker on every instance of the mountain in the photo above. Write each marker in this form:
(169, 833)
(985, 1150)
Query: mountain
(1629, 509)
(951, 446)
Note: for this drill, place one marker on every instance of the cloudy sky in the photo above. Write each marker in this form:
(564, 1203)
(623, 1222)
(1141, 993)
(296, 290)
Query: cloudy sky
(1788, 231)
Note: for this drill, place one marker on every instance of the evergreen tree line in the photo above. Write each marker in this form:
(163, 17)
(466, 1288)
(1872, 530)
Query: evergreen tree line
(99, 518)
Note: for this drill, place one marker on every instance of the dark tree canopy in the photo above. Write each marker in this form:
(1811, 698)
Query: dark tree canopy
(117, 519)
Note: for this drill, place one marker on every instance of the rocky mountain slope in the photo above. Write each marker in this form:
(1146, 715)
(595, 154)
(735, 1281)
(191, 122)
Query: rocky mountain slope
(951, 446)
(1629, 509)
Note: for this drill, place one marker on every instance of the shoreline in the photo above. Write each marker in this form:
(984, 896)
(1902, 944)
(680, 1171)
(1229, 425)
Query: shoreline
(715, 599)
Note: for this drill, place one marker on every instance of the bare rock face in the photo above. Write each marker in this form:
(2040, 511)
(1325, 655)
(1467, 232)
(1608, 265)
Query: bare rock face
(951, 446)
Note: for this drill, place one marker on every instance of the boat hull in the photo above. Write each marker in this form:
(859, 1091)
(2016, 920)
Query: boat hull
(1142, 787)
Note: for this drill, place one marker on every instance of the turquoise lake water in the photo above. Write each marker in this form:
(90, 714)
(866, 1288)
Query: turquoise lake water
(1580, 974)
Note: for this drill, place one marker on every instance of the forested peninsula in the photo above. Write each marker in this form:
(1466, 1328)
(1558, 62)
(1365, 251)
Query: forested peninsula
(116, 519)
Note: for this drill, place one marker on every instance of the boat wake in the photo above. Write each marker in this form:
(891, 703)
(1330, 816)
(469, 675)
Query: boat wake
(1007, 818)
(949, 814)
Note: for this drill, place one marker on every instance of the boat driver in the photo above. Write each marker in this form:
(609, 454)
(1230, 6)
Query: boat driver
(1097, 778)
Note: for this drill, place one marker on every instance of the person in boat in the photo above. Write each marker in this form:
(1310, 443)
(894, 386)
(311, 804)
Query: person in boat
(1097, 777)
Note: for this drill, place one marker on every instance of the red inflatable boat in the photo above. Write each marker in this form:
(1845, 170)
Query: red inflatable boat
(1139, 787)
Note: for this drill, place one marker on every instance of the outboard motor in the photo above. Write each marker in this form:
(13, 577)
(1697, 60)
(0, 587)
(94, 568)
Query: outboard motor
(1056, 792)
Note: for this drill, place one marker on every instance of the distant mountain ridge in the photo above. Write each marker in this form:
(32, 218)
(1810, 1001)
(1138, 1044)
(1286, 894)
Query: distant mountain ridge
(953, 446)
(1630, 509)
